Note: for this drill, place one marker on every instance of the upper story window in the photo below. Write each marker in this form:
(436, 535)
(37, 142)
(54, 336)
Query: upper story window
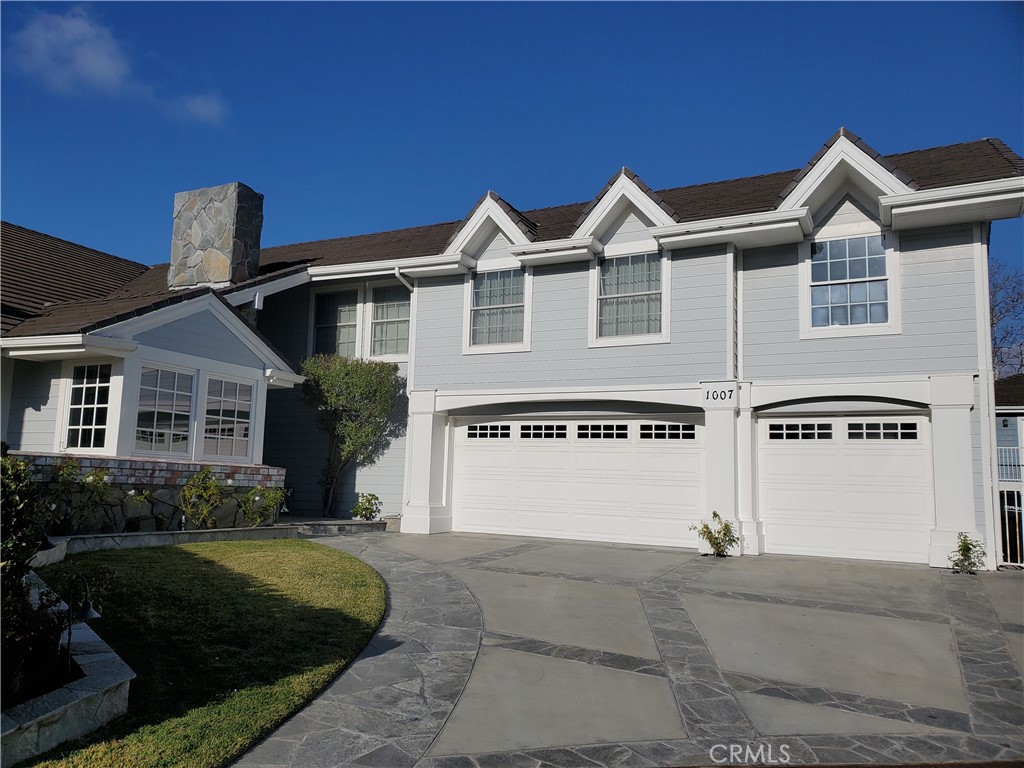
(336, 323)
(389, 324)
(849, 284)
(87, 410)
(629, 300)
(165, 411)
(499, 318)
(628, 304)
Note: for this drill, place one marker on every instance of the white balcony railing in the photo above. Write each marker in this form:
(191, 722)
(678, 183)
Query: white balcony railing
(1009, 464)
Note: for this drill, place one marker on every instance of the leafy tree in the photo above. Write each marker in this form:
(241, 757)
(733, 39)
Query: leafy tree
(1006, 302)
(356, 403)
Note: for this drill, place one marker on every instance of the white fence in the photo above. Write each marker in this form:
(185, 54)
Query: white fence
(1009, 464)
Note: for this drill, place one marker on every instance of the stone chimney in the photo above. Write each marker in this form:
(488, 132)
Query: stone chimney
(216, 236)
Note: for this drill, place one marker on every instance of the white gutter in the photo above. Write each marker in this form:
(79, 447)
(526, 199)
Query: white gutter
(237, 298)
(401, 277)
(66, 344)
(277, 379)
(768, 228)
(982, 201)
(422, 266)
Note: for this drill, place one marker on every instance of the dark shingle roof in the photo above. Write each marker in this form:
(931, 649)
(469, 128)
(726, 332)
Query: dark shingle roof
(37, 270)
(983, 160)
(1010, 391)
(134, 289)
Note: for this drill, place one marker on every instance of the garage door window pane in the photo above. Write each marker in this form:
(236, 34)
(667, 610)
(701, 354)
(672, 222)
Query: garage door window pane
(668, 432)
(800, 431)
(602, 431)
(489, 431)
(885, 430)
(543, 432)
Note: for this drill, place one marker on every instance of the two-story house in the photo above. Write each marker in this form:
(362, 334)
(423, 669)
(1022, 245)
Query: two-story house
(804, 352)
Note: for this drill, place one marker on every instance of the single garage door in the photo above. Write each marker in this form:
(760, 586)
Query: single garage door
(626, 480)
(858, 487)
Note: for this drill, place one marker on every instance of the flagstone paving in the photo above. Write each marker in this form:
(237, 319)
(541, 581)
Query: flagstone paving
(503, 651)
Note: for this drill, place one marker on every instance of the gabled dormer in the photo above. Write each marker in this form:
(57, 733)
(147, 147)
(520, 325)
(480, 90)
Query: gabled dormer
(491, 224)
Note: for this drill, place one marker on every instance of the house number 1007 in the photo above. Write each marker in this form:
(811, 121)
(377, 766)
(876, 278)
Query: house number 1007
(718, 394)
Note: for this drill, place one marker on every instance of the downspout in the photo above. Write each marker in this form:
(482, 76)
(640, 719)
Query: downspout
(404, 281)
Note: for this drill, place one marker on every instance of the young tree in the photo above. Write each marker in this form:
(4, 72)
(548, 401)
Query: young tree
(1006, 302)
(356, 403)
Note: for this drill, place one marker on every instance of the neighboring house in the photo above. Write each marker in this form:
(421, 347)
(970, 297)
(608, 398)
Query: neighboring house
(804, 352)
(102, 359)
(1009, 398)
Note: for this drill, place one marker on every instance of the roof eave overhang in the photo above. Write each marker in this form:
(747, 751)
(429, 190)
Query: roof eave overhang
(965, 203)
(424, 266)
(278, 379)
(558, 251)
(748, 231)
(270, 287)
(65, 347)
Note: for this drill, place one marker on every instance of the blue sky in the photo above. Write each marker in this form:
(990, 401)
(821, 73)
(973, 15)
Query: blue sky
(355, 118)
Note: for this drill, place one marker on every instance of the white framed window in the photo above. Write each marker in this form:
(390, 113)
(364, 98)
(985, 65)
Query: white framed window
(389, 312)
(227, 419)
(498, 309)
(336, 324)
(629, 303)
(849, 283)
(164, 414)
(88, 407)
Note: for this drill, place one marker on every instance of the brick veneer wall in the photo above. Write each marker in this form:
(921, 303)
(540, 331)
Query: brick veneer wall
(145, 493)
(146, 472)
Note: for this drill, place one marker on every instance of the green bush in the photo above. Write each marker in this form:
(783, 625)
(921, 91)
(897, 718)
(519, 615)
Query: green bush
(367, 508)
(259, 505)
(31, 630)
(721, 538)
(969, 555)
(200, 497)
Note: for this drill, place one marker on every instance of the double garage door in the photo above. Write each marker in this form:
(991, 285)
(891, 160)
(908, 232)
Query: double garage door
(623, 480)
(857, 487)
(839, 486)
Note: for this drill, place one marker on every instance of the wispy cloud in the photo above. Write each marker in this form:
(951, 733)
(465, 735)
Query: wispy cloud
(73, 53)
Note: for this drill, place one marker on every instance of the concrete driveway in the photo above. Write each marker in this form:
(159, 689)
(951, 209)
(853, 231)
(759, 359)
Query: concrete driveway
(505, 651)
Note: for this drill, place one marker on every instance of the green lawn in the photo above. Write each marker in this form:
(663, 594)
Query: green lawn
(227, 640)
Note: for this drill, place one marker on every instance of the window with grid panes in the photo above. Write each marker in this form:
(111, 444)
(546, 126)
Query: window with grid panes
(389, 326)
(228, 418)
(165, 411)
(629, 296)
(849, 285)
(498, 308)
(335, 323)
(87, 412)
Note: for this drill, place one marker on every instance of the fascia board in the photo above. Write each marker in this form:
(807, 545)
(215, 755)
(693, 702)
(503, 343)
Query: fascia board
(774, 228)
(1003, 195)
(280, 379)
(842, 151)
(624, 187)
(237, 298)
(65, 345)
(439, 264)
(488, 209)
(558, 251)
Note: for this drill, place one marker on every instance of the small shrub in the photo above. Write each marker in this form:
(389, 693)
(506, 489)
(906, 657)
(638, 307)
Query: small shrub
(259, 505)
(368, 507)
(60, 497)
(969, 555)
(97, 496)
(721, 538)
(200, 497)
(31, 631)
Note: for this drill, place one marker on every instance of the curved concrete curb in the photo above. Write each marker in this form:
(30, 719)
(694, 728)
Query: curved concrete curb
(390, 704)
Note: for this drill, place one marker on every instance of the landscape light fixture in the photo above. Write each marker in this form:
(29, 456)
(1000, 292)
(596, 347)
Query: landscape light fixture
(84, 613)
(44, 540)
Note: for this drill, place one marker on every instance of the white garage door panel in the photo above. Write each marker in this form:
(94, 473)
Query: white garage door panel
(607, 489)
(837, 496)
